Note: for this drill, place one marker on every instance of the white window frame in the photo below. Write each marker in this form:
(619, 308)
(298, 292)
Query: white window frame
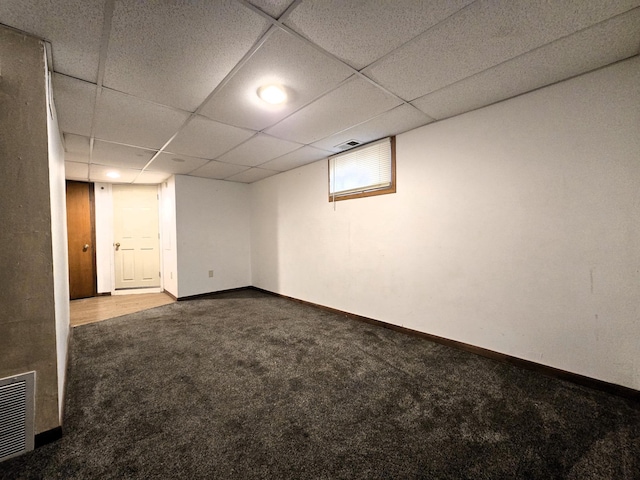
(369, 190)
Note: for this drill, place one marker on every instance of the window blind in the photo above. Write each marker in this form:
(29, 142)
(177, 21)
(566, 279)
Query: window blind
(361, 169)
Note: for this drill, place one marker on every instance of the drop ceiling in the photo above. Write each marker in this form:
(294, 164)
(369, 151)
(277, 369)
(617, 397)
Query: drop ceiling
(152, 89)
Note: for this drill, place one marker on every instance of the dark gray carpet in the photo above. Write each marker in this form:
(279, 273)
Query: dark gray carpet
(246, 385)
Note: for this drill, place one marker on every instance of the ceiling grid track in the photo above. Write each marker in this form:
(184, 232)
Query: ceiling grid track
(290, 31)
(256, 46)
(342, 63)
(109, 6)
(540, 47)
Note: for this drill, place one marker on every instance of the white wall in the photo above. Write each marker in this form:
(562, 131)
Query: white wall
(58, 244)
(515, 228)
(212, 223)
(104, 236)
(169, 236)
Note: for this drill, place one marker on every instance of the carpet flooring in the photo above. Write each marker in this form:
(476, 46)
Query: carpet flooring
(246, 385)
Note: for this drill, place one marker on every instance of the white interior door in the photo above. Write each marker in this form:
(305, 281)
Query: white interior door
(136, 236)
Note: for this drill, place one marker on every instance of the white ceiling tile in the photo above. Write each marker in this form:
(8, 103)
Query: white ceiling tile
(152, 178)
(204, 138)
(175, 164)
(258, 149)
(74, 100)
(399, 120)
(285, 60)
(361, 32)
(76, 171)
(74, 27)
(275, 8)
(591, 48)
(218, 170)
(76, 148)
(252, 175)
(354, 102)
(123, 156)
(126, 119)
(485, 34)
(76, 145)
(98, 173)
(296, 159)
(176, 53)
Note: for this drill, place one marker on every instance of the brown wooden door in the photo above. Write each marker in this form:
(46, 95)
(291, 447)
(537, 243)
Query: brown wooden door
(81, 240)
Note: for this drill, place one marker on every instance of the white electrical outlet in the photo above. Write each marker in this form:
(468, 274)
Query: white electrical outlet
(171, 275)
(210, 273)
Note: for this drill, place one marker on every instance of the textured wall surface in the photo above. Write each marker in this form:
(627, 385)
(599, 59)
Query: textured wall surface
(27, 315)
(212, 222)
(514, 228)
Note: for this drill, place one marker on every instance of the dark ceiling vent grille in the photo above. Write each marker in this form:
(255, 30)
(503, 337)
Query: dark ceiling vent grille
(348, 144)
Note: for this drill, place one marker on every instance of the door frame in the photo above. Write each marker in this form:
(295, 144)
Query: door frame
(112, 263)
(104, 243)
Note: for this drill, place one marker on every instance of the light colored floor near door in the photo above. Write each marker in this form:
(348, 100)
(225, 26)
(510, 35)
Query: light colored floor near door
(89, 310)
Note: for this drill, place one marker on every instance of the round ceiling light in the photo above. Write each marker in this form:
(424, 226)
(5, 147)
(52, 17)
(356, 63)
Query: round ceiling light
(272, 94)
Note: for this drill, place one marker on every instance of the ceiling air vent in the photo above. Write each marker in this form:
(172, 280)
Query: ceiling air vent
(348, 144)
(16, 415)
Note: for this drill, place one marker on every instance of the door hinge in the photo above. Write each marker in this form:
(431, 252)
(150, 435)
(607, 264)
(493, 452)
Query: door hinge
(160, 274)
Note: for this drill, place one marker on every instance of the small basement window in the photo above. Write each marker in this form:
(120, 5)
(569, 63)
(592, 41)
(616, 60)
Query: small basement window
(364, 171)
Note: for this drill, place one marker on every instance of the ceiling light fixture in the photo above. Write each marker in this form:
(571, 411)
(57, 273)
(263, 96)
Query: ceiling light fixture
(272, 94)
(113, 175)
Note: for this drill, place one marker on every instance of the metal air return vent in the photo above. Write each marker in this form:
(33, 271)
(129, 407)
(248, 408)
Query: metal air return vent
(348, 144)
(16, 415)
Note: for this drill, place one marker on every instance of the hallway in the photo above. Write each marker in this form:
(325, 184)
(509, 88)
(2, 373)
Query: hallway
(95, 309)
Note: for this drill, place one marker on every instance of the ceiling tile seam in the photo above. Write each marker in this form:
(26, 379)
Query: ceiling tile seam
(362, 123)
(147, 101)
(350, 78)
(111, 166)
(493, 66)
(149, 149)
(107, 17)
(252, 168)
(109, 7)
(284, 154)
(234, 125)
(234, 147)
(238, 173)
(75, 78)
(433, 119)
(24, 32)
(202, 166)
(274, 22)
(216, 159)
(535, 89)
(209, 160)
(229, 163)
(326, 53)
(162, 149)
(290, 31)
(480, 72)
(289, 10)
(254, 48)
(417, 37)
(247, 56)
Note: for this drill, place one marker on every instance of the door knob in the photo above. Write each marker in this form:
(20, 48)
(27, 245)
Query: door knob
(117, 245)
(85, 247)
